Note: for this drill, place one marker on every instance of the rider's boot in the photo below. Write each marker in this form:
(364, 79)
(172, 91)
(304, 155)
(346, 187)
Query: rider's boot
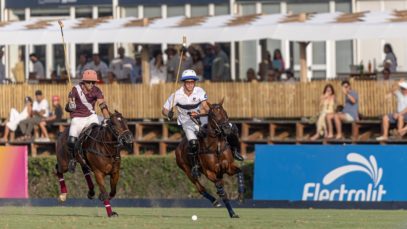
(71, 148)
(233, 141)
(192, 157)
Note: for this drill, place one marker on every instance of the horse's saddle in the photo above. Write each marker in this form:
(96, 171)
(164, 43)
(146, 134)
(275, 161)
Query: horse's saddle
(84, 135)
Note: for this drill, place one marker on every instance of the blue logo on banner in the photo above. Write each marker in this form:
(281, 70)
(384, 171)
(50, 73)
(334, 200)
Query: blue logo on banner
(330, 173)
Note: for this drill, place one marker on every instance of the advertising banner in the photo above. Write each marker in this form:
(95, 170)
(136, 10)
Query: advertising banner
(330, 173)
(13, 172)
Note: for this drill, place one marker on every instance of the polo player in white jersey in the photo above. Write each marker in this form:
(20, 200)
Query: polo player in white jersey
(82, 101)
(190, 101)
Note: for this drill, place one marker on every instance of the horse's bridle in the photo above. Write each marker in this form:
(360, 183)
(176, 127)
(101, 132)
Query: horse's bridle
(220, 128)
(116, 134)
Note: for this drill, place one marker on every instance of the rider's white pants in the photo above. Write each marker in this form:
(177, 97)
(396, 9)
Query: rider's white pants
(80, 123)
(190, 130)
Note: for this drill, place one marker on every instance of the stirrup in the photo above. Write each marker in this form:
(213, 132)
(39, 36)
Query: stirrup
(195, 171)
(72, 166)
(237, 155)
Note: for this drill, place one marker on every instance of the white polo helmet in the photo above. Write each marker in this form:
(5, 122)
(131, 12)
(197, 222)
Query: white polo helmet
(189, 74)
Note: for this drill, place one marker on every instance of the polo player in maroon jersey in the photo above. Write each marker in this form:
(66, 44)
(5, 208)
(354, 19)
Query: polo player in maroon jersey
(81, 105)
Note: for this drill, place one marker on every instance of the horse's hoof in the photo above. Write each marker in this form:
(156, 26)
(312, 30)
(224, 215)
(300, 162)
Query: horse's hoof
(216, 204)
(62, 197)
(234, 215)
(91, 194)
(114, 214)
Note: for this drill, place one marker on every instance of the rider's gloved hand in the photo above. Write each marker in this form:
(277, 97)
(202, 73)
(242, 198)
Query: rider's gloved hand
(104, 122)
(71, 104)
(170, 114)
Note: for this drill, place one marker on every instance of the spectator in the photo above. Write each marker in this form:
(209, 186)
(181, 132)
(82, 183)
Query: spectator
(122, 66)
(136, 75)
(2, 68)
(208, 61)
(16, 117)
(197, 64)
(38, 69)
(39, 112)
(386, 74)
(172, 63)
(327, 105)
(272, 75)
(55, 116)
(220, 66)
(19, 71)
(158, 70)
(111, 78)
(98, 66)
(390, 61)
(251, 75)
(349, 112)
(186, 61)
(264, 66)
(278, 61)
(83, 61)
(400, 117)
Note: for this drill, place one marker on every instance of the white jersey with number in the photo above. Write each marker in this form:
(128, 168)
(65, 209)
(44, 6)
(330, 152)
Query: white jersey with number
(185, 103)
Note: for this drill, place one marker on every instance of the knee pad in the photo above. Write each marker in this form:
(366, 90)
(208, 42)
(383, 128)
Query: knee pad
(193, 146)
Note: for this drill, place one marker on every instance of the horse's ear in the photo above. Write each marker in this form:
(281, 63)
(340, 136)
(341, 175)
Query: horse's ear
(221, 102)
(115, 111)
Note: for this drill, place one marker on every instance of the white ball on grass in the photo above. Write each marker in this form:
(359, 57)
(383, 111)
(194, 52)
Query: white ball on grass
(194, 217)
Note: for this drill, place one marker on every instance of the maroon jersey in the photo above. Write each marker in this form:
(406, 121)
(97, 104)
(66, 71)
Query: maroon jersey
(85, 102)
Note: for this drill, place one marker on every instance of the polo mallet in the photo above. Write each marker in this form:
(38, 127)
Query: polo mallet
(184, 44)
(61, 24)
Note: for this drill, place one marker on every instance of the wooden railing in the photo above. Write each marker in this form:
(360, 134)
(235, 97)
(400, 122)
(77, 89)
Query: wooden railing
(242, 100)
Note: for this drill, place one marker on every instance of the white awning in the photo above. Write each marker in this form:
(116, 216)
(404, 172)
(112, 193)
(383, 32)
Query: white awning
(226, 28)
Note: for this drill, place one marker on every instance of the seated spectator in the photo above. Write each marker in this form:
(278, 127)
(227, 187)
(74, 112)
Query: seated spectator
(136, 74)
(111, 78)
(251, 75)
(172, 63)
(390, 61)
(38, 67)
(273, 75)
(207, 61)
(278, 61)
(327, 105)
(386, 74)
(2, 68)
(158, 70)
(82, 66)
(197, 64)
(98, 66)
(220, 66)
(400, 117)
(122, 66)
(40, 111)
(16, 117)
(264, 66)
(349, 112)
(55, 116)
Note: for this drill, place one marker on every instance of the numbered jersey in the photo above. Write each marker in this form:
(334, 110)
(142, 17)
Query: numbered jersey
(185, 103)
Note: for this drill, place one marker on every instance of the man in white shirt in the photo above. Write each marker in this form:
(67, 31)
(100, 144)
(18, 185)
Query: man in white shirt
(98, 66)
(38, 67)
(122, 66)
(2, 68)
(40, 111)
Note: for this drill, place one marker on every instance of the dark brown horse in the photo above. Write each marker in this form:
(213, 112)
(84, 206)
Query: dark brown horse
(98, 150)
(215, 157)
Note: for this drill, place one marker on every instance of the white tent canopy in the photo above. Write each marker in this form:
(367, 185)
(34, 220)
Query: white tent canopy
(226, 28)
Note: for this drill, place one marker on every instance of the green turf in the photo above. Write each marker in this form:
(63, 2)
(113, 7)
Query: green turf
(180, 218)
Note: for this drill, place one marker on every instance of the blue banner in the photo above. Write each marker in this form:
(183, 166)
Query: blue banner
(330, 173)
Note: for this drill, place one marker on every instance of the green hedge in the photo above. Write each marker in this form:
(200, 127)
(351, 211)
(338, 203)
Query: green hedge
(140, 177)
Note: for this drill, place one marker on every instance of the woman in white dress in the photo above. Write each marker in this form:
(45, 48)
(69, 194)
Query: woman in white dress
(16, 117)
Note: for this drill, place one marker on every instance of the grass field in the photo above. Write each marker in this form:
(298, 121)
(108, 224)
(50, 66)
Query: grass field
(180, 218)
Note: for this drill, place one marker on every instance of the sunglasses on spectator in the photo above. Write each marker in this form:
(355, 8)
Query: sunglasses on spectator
(90, 82)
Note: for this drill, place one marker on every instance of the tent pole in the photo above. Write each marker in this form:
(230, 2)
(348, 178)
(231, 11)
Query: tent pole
(303, 61)
(145, 64)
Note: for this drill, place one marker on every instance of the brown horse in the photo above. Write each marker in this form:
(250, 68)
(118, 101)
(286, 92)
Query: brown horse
(215, 157)
(97, 150)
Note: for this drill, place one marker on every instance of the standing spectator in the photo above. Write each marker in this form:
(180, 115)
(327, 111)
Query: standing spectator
(264, 66)
(16, 117)
(83, 61)
(278, 61)
(158, 70)
(186, 61)
(136, 75)
(2, 68)
(122, 66)
(390, 61)
(251, 75)
(197, 64)
(327, 105)
(208, 61)
(18, 70)
(98, 66)
(400, 117)
(220, 67)
(349, 112)
(38, 67)
(172, 63)
(55, 116)
(39, 112)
